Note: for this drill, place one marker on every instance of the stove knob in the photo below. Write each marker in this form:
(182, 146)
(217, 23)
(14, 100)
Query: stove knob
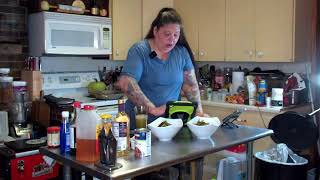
(20, 165)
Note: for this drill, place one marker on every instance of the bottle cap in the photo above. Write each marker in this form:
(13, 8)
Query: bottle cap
(52, 129)
(65, 114)
(77, 104)
(88, 107)
(121, 101)
(19, 83)
(4, 71)
(6, 79)
(106, 116)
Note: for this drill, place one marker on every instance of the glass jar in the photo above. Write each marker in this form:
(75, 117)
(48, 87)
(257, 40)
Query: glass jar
(219, 80)
(227, 77)
(53, 136)
(6, 90)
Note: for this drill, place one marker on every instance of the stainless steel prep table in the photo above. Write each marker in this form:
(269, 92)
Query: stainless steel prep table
(184, 147)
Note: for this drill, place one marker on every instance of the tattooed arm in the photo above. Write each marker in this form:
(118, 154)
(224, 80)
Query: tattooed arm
(190, 89)
(131, 89)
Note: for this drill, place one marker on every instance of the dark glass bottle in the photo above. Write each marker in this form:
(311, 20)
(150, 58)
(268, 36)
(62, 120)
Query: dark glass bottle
(108, 148)
(94, 8)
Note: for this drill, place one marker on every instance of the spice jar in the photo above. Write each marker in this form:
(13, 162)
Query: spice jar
(20, 87)
(228, 77)
(53, 136)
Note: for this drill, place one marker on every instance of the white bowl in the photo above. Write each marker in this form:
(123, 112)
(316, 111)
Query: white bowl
(165, 133)
(204, 132)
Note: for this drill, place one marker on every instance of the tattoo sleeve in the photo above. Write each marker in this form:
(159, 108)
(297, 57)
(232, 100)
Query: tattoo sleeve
(191, 89)
(131, 89)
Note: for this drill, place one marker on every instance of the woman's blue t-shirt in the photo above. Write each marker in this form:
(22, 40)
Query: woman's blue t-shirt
(160, 80)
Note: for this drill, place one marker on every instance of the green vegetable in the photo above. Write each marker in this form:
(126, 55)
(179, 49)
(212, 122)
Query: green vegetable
(96, 86)
(201, 123)
(164, 124)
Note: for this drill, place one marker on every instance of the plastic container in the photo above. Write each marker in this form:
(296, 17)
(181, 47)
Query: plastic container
(87, 144)
(232, 168)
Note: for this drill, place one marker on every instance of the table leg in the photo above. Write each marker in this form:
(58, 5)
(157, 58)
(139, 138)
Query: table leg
(199, 168)
(66, 172)
(75, 174)
(249, 160)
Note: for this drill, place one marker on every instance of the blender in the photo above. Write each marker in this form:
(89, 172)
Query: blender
(19, 112)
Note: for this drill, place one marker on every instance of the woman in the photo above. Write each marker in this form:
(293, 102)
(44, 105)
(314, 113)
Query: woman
(159, 67)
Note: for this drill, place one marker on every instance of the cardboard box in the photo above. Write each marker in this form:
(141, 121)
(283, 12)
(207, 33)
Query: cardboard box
(34, 83)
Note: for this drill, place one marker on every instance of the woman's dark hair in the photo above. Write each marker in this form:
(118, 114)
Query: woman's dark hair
(171, 16)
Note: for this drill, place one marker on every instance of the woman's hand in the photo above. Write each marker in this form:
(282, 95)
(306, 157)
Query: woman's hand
(157, 111)
(202, 114)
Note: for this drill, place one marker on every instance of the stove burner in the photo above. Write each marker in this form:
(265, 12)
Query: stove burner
(35, 141)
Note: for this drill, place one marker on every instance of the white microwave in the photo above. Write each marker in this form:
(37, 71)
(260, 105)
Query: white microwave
(69, 34)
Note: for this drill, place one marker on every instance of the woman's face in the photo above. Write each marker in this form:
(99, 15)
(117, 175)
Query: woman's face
(166, 36)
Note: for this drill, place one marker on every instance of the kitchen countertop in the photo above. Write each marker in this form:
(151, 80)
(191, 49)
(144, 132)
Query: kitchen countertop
(251, 108)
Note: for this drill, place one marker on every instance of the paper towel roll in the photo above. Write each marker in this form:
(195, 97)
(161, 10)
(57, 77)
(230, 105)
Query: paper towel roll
(237, 81)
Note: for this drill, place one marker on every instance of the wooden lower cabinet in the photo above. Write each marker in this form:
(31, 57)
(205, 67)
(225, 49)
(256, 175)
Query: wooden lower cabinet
(254, 118)
(249, 118)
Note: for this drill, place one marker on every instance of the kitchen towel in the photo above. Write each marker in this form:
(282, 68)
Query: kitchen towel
(237, 81)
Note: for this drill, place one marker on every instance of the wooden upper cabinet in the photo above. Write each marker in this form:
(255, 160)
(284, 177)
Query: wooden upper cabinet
(150, 9)
(248, 30)
(212, 29)
(126, 19)
(204, 25)
(240, 30)
(189, 12)
(268, 31)
(274, 30)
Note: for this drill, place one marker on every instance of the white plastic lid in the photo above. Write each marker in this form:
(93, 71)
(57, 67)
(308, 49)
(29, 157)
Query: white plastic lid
(65, 114)
(4, 70)
(19, 83)
(6, 79)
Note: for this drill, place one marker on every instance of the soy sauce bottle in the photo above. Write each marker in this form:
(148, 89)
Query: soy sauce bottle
(108, 148)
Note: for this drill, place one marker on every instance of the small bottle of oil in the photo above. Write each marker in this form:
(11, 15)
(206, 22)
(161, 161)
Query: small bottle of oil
(121, 130)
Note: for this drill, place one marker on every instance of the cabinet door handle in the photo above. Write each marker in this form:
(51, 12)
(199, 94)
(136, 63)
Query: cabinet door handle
(250, 53)
(260, 54)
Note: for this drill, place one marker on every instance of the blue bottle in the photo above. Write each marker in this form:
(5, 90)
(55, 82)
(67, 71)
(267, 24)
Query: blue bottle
(65, 133)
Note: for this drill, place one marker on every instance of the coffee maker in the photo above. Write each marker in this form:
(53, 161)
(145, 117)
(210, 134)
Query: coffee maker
(20, 111)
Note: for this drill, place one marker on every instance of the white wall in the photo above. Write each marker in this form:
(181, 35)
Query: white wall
(284, 67)
(72, 64)
(58, 64)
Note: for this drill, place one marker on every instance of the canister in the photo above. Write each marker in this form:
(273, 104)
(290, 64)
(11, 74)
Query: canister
(142, 142)
(277, 97)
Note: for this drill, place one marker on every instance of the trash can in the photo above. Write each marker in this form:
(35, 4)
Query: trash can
(271, 168)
